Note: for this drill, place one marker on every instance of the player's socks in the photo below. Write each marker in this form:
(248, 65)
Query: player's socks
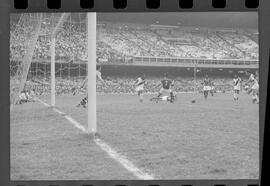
(253, 99)
(205, 94)
(257, 98)
(159, 94)
(171, 94)
(234, 96)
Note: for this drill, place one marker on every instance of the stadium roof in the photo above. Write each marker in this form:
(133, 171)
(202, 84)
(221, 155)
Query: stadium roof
(200, 19)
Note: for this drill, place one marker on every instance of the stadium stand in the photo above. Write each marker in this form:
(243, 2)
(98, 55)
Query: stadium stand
(116, 42)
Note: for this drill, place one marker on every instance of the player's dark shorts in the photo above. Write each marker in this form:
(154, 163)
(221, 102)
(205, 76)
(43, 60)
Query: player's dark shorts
(236, 91)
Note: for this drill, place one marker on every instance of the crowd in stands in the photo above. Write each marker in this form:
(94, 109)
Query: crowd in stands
(119, 42)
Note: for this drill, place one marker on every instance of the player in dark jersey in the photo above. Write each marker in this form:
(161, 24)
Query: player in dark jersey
(167, 85)
(206, 86)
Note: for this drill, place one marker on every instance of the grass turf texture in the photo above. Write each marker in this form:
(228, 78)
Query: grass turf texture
(216, 138)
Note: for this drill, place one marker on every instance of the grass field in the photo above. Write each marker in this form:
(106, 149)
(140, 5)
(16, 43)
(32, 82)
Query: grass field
(216, 138)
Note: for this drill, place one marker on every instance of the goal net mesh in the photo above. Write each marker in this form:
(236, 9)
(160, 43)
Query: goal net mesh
(30, 52)
(23, 39)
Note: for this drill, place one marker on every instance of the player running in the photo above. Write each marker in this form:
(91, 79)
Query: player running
(140, 82)
(167, 85)
(254, 84)
(236, 87)
(84, 101)
(206, 86)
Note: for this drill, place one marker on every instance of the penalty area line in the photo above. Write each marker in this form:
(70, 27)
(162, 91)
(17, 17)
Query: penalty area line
(123, 160)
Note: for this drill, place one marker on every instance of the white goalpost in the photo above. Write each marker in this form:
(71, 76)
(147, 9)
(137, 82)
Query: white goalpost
(53, 71)
(91, 67)
(91, 51)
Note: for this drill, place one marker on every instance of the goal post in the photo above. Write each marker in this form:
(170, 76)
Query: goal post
(53, 71)
(91, 66)
(45, 40)
(91, 72)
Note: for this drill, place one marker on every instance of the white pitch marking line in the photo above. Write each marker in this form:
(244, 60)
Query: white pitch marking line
(107, 148)
(47, 105)
(123, 160)
(75, 123)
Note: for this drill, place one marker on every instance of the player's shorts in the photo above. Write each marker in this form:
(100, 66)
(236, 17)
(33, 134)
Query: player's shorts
(22, 97)
(236, 88)
(162, 90)
(255, 86)
(255, 89)
(139, 88)
(206, 88)
(236, 91)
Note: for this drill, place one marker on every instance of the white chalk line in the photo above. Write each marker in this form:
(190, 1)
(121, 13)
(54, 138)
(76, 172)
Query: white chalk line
(107, 148)
(123, 160)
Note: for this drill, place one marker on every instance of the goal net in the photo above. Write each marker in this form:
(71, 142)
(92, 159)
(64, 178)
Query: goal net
(23, 39)
(30, 52)
(49, 54)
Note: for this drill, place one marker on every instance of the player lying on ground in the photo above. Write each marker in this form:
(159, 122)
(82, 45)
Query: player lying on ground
(164, 98)
(236, 86)
(253, 82)
(26, 96)
(140, 82)
(167, 85)
(84, 101)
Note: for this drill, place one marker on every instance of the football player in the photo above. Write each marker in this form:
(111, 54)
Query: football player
(254, 84)
(167, 85)
(236, 87)
(206, 86)
(140, 82)
(84, 101)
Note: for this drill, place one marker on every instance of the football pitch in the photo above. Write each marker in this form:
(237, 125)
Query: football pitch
(216, 138)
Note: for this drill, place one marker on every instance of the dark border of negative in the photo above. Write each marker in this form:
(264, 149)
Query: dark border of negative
(7, 7)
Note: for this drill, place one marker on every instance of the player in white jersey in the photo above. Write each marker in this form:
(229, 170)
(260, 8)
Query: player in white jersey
(84, 101)
(236, 87)
(140, 82)
(254, 84)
